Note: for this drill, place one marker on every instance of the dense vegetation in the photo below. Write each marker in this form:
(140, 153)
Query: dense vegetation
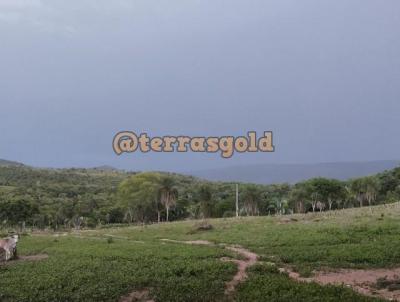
(109, 262)
(55, 198)
(106, 264)
(66, 198)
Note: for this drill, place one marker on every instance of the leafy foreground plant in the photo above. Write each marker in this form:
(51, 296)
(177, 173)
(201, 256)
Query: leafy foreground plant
(93, 270)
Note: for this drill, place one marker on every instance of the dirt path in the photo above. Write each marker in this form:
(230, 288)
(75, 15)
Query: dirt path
(362, 281)
(36, 257)
(104, 237)
(241, 275)
(250, 259)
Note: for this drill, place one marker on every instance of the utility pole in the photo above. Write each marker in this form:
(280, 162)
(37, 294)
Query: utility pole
(237, 200)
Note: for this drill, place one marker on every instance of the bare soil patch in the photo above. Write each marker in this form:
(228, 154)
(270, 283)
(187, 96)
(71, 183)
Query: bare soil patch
(37, 257)
(362, 281)
(193, 242)
(137, 296)
(286, 220)
(201, 227)
(366, 282)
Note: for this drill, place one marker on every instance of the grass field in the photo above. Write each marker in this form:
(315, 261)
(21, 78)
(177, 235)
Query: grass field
(106, 264)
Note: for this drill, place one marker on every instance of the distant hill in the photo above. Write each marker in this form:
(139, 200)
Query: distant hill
(262, 173)
(9, 163)
(104, 168)
(292, 173)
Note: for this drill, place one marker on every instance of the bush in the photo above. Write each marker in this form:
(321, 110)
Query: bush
(265, 268)
(391, 285)
(201, 226)
(229, 214)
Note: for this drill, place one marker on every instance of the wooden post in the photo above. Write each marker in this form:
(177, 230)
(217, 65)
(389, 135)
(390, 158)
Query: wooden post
(237, 200)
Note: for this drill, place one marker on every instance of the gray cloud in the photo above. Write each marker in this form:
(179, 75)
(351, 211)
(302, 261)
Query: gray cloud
(322, 75)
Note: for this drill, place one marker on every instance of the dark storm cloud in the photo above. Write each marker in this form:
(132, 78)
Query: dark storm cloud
(323, 75)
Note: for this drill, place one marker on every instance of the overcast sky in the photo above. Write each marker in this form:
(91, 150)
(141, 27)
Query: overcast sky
(324, 76)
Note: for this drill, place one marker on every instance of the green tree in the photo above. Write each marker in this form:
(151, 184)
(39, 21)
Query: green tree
(139, 195)
(364, 189)
(168, 193)
(322, 191)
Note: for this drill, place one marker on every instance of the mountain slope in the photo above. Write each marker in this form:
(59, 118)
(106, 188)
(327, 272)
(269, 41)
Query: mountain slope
(291, 173)
(9, 163)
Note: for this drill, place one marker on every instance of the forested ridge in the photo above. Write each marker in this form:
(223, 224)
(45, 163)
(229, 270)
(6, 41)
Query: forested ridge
(75, 198)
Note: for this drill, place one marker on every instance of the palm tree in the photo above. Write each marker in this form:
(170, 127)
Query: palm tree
(168, 193)
(365, 188)
(371, 185)
(251, 199)
(205, 195)
(297, 197)
(350, 196)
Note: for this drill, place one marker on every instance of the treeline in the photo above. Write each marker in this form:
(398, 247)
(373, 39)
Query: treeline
(75, 198)
(58, 198)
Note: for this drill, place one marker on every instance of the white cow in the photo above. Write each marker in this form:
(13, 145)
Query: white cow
(9, 245)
